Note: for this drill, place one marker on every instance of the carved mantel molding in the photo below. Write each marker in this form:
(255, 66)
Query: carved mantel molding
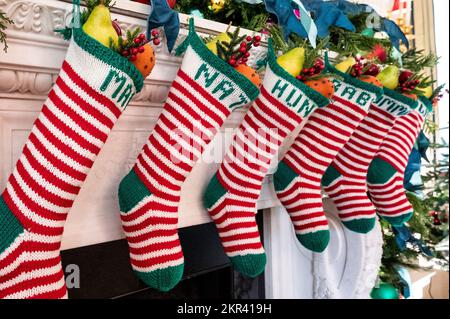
(30, 76)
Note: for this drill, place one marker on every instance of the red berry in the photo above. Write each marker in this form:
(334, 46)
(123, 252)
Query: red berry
(257, 44)
(125, 52)
(232, 62)
(134, 51)
(244, 44)
(155, 33)
(137, 41)
(156, 41)
(243, 50)
(141, 49)
(133, 57)
(233, 57)
(257, 38)
(249, 38)
(244, 60)
(247, 54)
(142, 36)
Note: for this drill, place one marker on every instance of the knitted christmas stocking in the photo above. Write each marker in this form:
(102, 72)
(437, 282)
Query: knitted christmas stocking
(386, 173)
(202, 96)
(345, 179)
(233, 192)
(94, 86)
(298, 177)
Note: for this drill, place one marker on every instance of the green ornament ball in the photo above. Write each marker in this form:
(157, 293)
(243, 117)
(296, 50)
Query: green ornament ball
(196, 13)
(368, 32)
(385, 291)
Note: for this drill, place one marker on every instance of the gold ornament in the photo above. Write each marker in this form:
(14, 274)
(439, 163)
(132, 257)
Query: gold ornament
(217, 5)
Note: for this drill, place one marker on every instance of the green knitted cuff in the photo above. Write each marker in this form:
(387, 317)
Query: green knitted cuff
(197, 44)
(315, 96)
(426, 103)
(412, 104)
(347, 78)
(108, 56)
(10, 226)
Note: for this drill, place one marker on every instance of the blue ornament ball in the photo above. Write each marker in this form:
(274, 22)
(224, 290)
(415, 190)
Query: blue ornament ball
(385, 291)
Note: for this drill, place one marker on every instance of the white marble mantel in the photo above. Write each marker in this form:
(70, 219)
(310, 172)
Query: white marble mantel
(347, 269)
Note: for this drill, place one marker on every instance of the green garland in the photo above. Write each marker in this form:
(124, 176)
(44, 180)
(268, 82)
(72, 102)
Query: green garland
(4, 21)
(248, 16)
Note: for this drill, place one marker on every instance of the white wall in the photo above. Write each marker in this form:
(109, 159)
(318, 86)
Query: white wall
(441, 9)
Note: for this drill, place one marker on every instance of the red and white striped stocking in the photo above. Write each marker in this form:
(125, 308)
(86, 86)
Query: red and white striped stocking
(298, 177)
(386, 173)
(234, 190)
(94, 86)
(345, 180)
(202, 96)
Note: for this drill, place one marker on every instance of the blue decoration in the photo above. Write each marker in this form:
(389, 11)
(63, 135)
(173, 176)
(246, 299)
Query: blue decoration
(403, 236)
(196, 13)
(328, 14)
(284, 10)
(412, 180)
(405, 279)
(368, 32)
(162, 15)
(351, 9)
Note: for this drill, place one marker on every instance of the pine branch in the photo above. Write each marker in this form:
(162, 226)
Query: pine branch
(416, 60)
(4, 21)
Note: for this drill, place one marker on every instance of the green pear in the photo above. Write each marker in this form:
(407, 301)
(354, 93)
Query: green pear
(345, 65)
(293, 61)
(99, 26)
(221, 37)
(389, 77)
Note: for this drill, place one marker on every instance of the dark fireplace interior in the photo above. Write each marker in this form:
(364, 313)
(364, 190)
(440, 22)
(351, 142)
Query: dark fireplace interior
(105, 271)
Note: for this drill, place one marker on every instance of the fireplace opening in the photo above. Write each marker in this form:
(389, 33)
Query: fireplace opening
(105, 272)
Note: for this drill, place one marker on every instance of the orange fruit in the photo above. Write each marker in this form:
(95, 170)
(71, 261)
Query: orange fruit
(371, 80)
(249, 73)
(323, 86)
(411, 96)
(145, 61)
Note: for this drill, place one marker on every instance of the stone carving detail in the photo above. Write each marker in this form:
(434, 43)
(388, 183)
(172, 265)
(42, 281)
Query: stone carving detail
(152, 93)
(25, 82)
(37, 83)
(33, 17)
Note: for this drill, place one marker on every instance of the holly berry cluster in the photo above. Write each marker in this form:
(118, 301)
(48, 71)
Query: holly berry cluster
(236, 50)
(364, 67)
(313, 71)
(242, 54)
(134, 43)
(408, 81)
(436, 220)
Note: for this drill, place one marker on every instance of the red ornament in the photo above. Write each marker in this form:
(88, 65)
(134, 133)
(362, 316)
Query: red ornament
(378, 52)
(156, 41)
